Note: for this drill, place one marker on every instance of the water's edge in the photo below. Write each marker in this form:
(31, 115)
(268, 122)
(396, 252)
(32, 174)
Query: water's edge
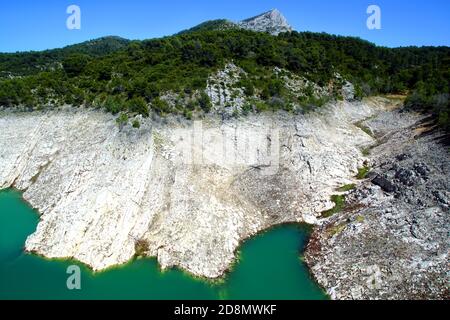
(252, 276)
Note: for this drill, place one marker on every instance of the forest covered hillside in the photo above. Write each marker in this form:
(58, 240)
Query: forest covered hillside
(27, 63)
(132, 76)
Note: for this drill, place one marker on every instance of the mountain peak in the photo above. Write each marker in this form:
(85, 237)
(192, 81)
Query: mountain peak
(271, 21)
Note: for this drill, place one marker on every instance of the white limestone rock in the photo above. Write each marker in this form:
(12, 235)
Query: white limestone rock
(192, 191)
(272, 22)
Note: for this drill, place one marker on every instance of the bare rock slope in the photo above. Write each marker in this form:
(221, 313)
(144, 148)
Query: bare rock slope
(185, 192)
(189, 192)
(272, 22)
(391, 241)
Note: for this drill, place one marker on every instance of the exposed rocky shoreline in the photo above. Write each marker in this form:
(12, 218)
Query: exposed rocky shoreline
(190, 192)
(391, 241)
(101, 190)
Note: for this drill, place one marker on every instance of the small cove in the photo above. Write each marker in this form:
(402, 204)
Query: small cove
(269, 267)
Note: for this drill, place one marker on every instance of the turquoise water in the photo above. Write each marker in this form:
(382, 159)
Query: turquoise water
(269, 267)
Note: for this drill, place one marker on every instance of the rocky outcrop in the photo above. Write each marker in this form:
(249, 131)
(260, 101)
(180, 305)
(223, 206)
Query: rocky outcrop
(391, 241)
(190, 191)
(272, 22)
(229, 98)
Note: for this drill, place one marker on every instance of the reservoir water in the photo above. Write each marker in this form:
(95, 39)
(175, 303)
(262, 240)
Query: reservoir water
(269, 267)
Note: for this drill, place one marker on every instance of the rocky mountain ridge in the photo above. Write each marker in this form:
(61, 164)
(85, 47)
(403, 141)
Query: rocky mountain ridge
(272, 22)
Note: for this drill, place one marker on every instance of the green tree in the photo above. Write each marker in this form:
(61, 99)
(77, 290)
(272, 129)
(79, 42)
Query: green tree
(205, 102)
(122, 120)
(138, 105)
(160, 106)
(74, 64)
(136, 124)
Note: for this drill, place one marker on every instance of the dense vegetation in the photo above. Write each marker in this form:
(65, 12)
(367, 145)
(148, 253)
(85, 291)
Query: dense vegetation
(27, 63)
(124, 76)
(211, 25)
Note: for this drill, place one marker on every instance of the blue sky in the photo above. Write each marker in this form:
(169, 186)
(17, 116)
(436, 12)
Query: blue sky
(37, 25)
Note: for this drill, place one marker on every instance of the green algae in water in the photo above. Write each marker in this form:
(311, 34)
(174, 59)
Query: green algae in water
(269, 267)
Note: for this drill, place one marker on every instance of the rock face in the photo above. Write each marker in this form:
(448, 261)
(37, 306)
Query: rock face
(190, 191)
(391, 241)
(229, 99)
(225, 94)
(272, 22)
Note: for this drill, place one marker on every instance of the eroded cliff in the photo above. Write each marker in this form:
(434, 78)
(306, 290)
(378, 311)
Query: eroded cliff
(188, 191)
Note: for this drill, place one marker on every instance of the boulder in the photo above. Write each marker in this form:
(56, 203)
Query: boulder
(384, 183)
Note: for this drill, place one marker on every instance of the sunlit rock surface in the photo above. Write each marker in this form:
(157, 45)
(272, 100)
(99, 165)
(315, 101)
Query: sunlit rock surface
(391, 240)
(191, 191)
(272, 22)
